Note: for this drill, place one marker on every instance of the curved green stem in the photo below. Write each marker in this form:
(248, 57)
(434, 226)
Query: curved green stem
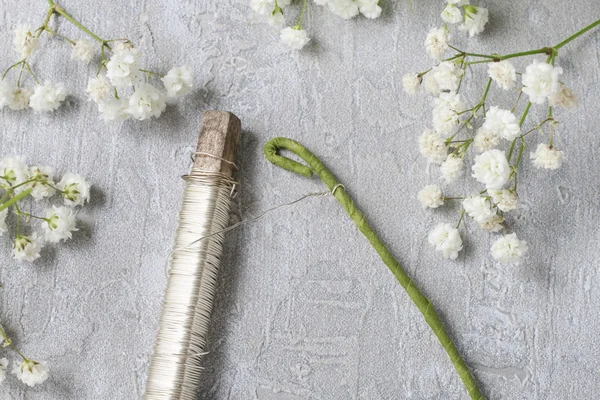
(15, 199)
(423, 304)
(59, 10)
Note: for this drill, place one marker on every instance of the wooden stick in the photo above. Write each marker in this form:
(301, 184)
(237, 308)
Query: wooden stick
(219, 136)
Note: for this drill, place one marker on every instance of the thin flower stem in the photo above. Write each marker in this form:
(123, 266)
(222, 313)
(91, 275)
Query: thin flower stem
(576, 35)
(152, 73)
(454, 198)
(11, 67)
(524, 116)
(31, 72)
(16, 198)
(52, 31)
(462, 215)
(299, 26)
(423, 304)
(59, 10)
(512, 110)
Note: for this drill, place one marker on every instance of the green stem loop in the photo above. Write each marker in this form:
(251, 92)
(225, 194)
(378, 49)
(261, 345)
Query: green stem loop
(423, 304)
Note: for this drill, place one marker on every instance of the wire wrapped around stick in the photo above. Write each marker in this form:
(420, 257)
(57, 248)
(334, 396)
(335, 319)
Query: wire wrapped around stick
(176, 364)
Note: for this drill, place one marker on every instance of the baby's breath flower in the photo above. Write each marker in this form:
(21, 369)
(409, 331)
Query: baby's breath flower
(263, 7)
(3, 367)
(13, 171)
(47, 97)
(479, 208)
(123, 68)
(3, 229)
(503, 73)
(447, 75)
(21, 99)
(7, 93)
(25, 41)
(491, 168)
(146, 102)
(83, 50)
(445, 238)
(431, 196)
(547, 157)
(509, 249)
(31, 372)
(294, 38)
(276, 18)
(59, 223)
(502, 123)
(99, 89)
(540, 81)
(431, 85)
(564, 98)
(451, 14)
(437, 42)
(76, 190)
(42, 185)
(452, 168)
(475, 20)
(505, 199)
(411, 83)
(114, 109)
(485, 139)
(344, 8)
(178, 81)
(27, 248)
(369, 8)
(433, 147)
(446, 112)
(494, 224)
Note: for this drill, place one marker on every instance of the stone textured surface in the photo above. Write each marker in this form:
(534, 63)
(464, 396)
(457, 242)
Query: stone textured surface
(305, 309)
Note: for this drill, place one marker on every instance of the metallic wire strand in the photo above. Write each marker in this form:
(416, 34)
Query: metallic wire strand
(177, 360)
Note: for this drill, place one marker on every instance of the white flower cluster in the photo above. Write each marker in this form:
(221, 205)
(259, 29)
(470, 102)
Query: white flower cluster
(140, 100)
(29, 371)
(18, 181)
(295, 37)
(454, 132)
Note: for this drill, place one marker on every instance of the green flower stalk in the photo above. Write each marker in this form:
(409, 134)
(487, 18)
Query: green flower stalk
(423, 304)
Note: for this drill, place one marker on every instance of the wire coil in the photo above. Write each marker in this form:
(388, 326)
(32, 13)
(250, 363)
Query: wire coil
(176, 364)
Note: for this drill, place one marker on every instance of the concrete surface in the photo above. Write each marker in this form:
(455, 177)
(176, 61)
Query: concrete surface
(305, 308)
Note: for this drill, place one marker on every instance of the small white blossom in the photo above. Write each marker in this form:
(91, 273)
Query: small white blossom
(263, 7)
(547, 157)
(114, 109)
(276, 18)
(475, 20)
(13, 171)
(3, 366)
(76, 190)
(59, 223)
(83, 50)
(43, 182)
(3, 229)
(31, 372)
(7, 94)
(451, 14)
(503, 73)
(485, 139)
(178, 81)
(123, 68)
(540, 81)
(447, 75)
(502, 123)
(369, 8)
(431, 196)
(491, 168)
(479, 208)
(21, 99)
(445, 238)
(505, 199)
(47, 97)
(344, 8)
(446, 112)
(27, 248)
(452, 168)
(99, 89)
(494, 224)
(509, 249)
(411, 83)
(26, 43)
(431, 85)
(146, 102)
(564, 98)
(433, 147)
(437, 42)
(294, 38)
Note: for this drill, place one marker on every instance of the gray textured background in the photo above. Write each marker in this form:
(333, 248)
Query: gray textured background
(305, 308)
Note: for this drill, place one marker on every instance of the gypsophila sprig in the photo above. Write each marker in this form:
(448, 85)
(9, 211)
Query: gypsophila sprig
(121, 88)
(22, 188)
(295, 37)
(492, 135)
(27, 370)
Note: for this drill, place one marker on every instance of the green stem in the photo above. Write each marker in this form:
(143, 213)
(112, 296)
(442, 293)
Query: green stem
(423, 304)
(576, 35)
(11, 67)
(15, 199)
(299, 26)
(151, 73)
(59, 10)
(522, 121)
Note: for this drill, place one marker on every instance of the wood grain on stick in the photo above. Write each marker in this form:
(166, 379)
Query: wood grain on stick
(219, 136)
